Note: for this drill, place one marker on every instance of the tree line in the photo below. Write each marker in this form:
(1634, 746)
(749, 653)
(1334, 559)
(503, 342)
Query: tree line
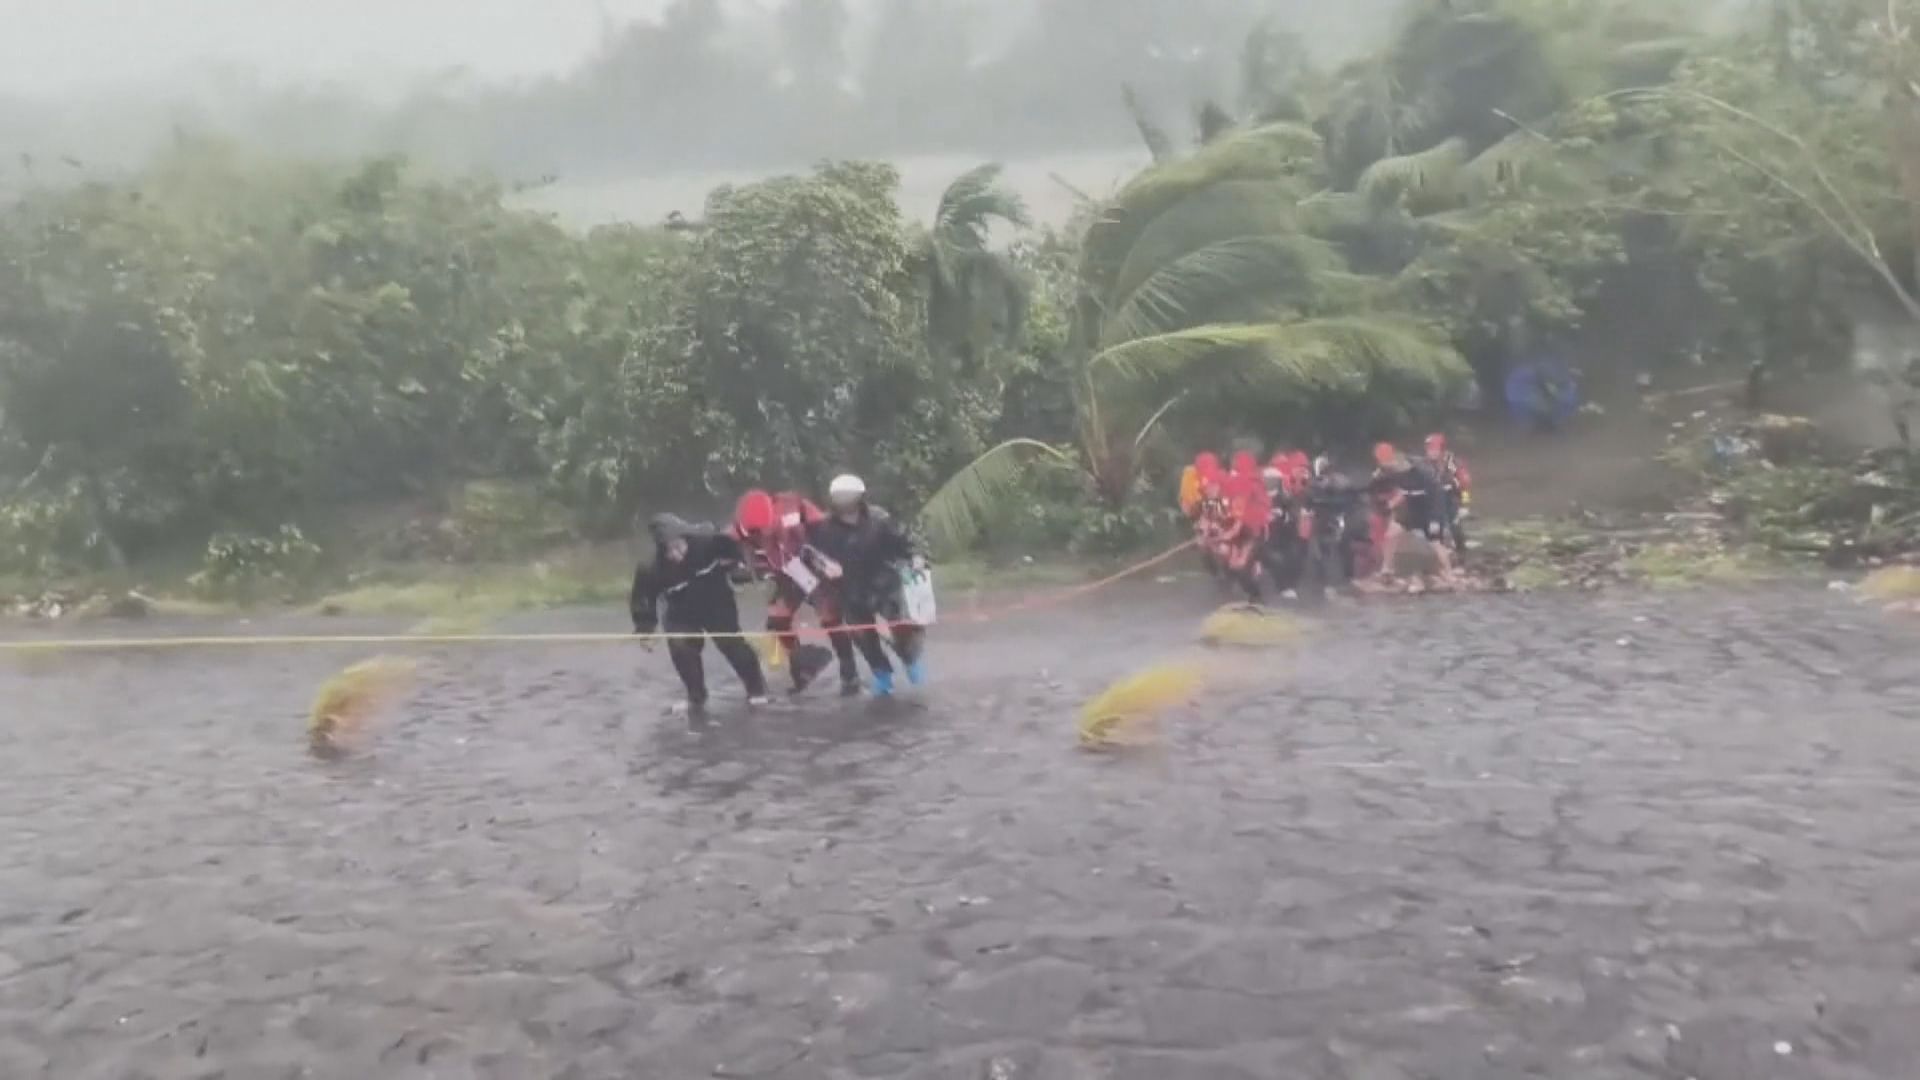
(230, 342)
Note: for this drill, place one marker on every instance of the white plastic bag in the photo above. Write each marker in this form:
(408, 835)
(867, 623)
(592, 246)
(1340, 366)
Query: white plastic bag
(916, 596)
(796, 569)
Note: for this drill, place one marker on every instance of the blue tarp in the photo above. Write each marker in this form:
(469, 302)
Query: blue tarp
(1543, 392)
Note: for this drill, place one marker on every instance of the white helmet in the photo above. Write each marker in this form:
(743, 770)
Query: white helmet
(846, 490)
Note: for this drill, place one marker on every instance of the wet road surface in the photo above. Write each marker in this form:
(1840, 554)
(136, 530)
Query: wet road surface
(1459, 839)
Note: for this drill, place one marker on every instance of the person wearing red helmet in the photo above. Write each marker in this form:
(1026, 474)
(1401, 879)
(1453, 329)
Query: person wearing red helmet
(1241, 524)
(776, 530)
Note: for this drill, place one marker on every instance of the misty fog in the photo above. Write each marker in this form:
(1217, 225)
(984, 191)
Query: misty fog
(633, 108)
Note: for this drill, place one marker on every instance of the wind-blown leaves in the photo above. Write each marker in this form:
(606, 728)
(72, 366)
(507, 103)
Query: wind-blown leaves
(976, 298)
(1272, 152)
(1430, 177)
(1289, 362)
(1152, 134)
(1224, 211)
(1247, 269)
(972, 203)
(953, 516)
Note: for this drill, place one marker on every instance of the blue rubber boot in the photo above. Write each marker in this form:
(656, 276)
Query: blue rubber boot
(917, 672)
(883, 684)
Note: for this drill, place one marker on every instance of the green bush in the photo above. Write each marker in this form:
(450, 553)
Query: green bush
(48, 535)
(243, 567)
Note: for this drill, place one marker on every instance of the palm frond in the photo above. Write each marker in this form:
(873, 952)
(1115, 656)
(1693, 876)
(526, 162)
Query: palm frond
(1429, 177)
(1271, 152)
(1506, 165)
(1292, 364)
(954, 516)
(1220, 212)
(1152, 134)
(1194, 286)
(972, 203)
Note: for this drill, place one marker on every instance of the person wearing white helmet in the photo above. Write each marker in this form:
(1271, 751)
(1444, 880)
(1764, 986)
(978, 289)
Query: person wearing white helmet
(869, 547)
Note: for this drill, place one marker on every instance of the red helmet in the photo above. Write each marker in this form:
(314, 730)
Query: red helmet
(754, 513)
(1245, 464)
(1436, 444)
(1206, 464)
(1384, 454)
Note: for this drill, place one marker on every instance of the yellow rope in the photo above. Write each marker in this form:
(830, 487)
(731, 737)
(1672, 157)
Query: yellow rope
(599, 638)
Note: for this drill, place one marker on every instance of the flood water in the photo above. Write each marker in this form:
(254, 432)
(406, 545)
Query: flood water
(1461, 838)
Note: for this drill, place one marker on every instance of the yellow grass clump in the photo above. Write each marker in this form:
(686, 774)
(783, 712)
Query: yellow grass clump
(347, 702)
(1249, 628)
(771, 653)
(1892, 583)
(1123, 713)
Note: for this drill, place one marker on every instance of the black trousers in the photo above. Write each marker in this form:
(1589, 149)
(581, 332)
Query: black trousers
(722, 620)
(877, 606)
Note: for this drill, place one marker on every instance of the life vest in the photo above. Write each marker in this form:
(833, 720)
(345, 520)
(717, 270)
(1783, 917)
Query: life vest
(1190, 491)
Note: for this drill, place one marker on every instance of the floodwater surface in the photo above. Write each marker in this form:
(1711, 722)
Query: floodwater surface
(1460, 838)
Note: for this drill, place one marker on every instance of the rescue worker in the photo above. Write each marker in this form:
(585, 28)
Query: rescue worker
(1245, 525)
(869, 548)
(691, 573)
(1284, 543)
(1456, 487)
(1411, 489)
(1336, 527)
(1209, 513)
(776, 530)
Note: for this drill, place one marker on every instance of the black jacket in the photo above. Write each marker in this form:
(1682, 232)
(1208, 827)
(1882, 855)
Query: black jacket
(696, 589)
(868, 551)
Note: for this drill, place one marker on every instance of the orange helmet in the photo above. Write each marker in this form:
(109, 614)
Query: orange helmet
(754, 514)
(1384, 454)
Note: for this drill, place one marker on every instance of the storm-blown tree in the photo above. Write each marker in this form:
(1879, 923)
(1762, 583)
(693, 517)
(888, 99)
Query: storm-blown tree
(1198, 283)
(976, 296)
(803, 338)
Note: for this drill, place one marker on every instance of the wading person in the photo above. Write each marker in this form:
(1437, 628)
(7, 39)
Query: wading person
(1456, 487)
(778, 530)
(870, 550)
(691, 575)
(1418, 505)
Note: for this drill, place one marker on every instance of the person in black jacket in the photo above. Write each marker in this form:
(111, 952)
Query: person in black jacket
(869, 548)
(692, 573)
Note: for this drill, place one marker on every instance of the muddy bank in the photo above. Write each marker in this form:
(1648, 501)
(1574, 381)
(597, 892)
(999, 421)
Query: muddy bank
(1467, 838)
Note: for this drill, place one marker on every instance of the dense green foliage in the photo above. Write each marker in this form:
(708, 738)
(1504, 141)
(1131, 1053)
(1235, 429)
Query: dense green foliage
(229, 344)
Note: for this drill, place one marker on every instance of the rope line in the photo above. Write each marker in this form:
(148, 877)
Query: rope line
(1039, 603)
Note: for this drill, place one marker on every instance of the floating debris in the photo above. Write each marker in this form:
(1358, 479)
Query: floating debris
(1250, 628)
(1123, 715)
(347, 702)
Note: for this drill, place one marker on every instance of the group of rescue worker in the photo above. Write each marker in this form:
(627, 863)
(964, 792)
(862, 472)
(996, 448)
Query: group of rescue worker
(846, 562)
(1260, 527)
(1296, 520)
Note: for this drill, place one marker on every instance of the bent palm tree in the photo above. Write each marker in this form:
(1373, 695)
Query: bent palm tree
(976, 297)
(1197, 278)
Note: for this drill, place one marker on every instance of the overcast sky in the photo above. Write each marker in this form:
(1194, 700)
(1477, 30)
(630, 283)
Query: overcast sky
(64, 46)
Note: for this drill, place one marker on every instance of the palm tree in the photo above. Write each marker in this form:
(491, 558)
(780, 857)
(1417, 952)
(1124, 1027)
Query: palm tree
(976, 297)
(1198, 278)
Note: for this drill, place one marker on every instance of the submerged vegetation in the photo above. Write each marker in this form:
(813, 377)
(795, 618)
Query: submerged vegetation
(260, 368)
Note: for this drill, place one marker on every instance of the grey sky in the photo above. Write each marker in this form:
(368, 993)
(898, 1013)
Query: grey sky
(52, 47)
